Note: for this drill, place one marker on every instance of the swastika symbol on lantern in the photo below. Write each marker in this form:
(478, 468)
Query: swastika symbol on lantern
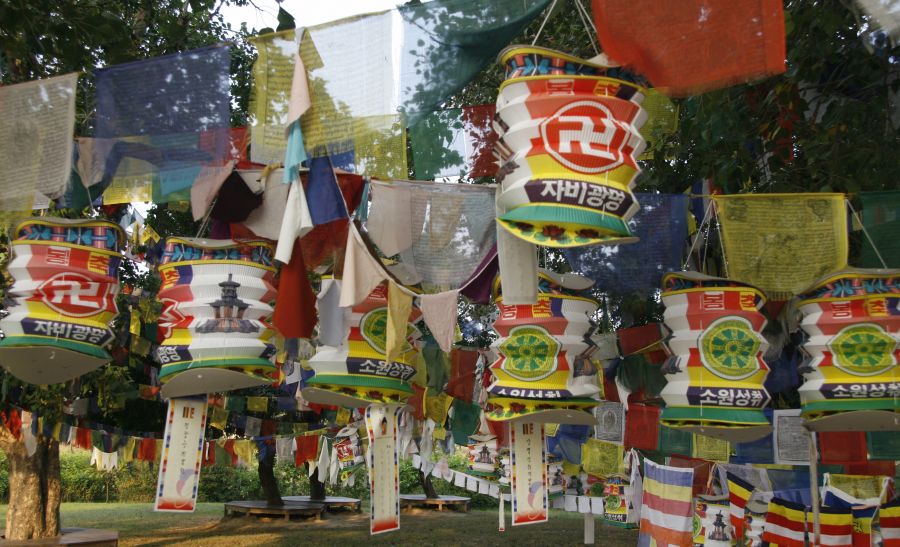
(76, 295)
(169, 317)
(585, 137)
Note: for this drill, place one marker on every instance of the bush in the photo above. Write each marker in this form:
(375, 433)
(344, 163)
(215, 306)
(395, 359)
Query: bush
(80, 481)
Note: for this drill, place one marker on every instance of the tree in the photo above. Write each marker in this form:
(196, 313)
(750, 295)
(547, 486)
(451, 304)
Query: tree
(42, 39)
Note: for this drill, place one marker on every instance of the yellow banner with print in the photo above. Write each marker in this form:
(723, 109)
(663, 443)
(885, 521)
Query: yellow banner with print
(782, 242)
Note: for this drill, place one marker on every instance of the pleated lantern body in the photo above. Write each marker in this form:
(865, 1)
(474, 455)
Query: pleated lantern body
(569, 139)
(538, 375)
(216, 303)
(62, 300)
(357, 372)
(852, 381)
(716, 374)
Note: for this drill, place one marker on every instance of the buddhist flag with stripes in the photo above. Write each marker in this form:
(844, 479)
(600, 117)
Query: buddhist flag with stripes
(739, 492)
(835, 526)
(889, 519)
(862, 525)
(666, 512)
(785, 524)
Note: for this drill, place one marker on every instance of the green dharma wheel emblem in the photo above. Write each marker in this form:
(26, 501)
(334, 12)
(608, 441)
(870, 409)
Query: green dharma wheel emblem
(729, 348)
(864, 350)
(374, 330)
(530, 353)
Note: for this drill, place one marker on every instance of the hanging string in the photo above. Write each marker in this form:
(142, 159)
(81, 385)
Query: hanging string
(544, 22)
(588, 25)
(721, 243)
(866, 233)
(697, 238)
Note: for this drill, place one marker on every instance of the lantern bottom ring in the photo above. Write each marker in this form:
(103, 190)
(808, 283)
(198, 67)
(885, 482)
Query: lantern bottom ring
(44, 361)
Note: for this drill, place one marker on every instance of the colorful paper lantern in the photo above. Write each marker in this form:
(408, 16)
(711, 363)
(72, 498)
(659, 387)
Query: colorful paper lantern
(216, 299)
(62, 300)
(852, 319)
(356, 372)
(716, 373)
(520, 61)
(544, 373)
(484, 457)
(568, 150)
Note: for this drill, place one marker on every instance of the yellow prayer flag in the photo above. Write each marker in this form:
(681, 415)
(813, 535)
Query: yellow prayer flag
(711, 448)
(601, 458)
(782, 243)
(258, 404)
(399, 308)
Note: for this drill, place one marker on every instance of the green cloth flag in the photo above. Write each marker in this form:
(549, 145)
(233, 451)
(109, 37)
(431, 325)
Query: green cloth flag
(881, 220)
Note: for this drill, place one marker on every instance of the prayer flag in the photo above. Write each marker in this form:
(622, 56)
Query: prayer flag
(782, 243)
(37, 120)
(862, 525)
(739, 492)
(693, 46)
(835, 526)
(785, 524)
(666, 511)
(889, 519)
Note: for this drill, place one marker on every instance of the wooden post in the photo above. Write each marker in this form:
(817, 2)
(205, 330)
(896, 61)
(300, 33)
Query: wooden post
(814, 486)
(588, 529)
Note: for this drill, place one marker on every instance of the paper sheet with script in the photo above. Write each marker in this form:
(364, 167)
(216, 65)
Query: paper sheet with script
(37, 121)
(529, 474)
(782, 243)
(383, 467)
(179, 468)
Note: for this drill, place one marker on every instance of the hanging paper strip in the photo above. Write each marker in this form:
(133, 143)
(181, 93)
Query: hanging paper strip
(164, 123)
(179, 468)
(384, 467)
(215, 298)
(541, 371)
(568, 150)
(694, 46)
(661, 225)
(62, 300)
(782, 243)
(37, 123)
(357, 371)
(529, 474)
(881, 220)
(714, 380)
(852, 319)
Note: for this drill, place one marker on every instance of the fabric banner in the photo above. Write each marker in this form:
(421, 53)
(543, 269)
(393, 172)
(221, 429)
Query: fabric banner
(881, 220)
(407, 60)
(782, 243)
(711, 448)
(37, 122)
(273, 73)
(661, 225)
(439, 232)
(179, 468)
(530, 503)
(601, 459)
(384, 471)
(681, 46)
(165, 121)
(455, 143)
(666, 510)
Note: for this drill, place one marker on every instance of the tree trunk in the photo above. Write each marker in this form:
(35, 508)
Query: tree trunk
(34, 493)
(316, 488)
(266, 470)
(427, 486)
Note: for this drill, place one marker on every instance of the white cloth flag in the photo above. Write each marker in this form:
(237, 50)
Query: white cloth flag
(37, 122)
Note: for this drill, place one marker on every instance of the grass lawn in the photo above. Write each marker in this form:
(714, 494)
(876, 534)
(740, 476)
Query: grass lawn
(139, 525)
